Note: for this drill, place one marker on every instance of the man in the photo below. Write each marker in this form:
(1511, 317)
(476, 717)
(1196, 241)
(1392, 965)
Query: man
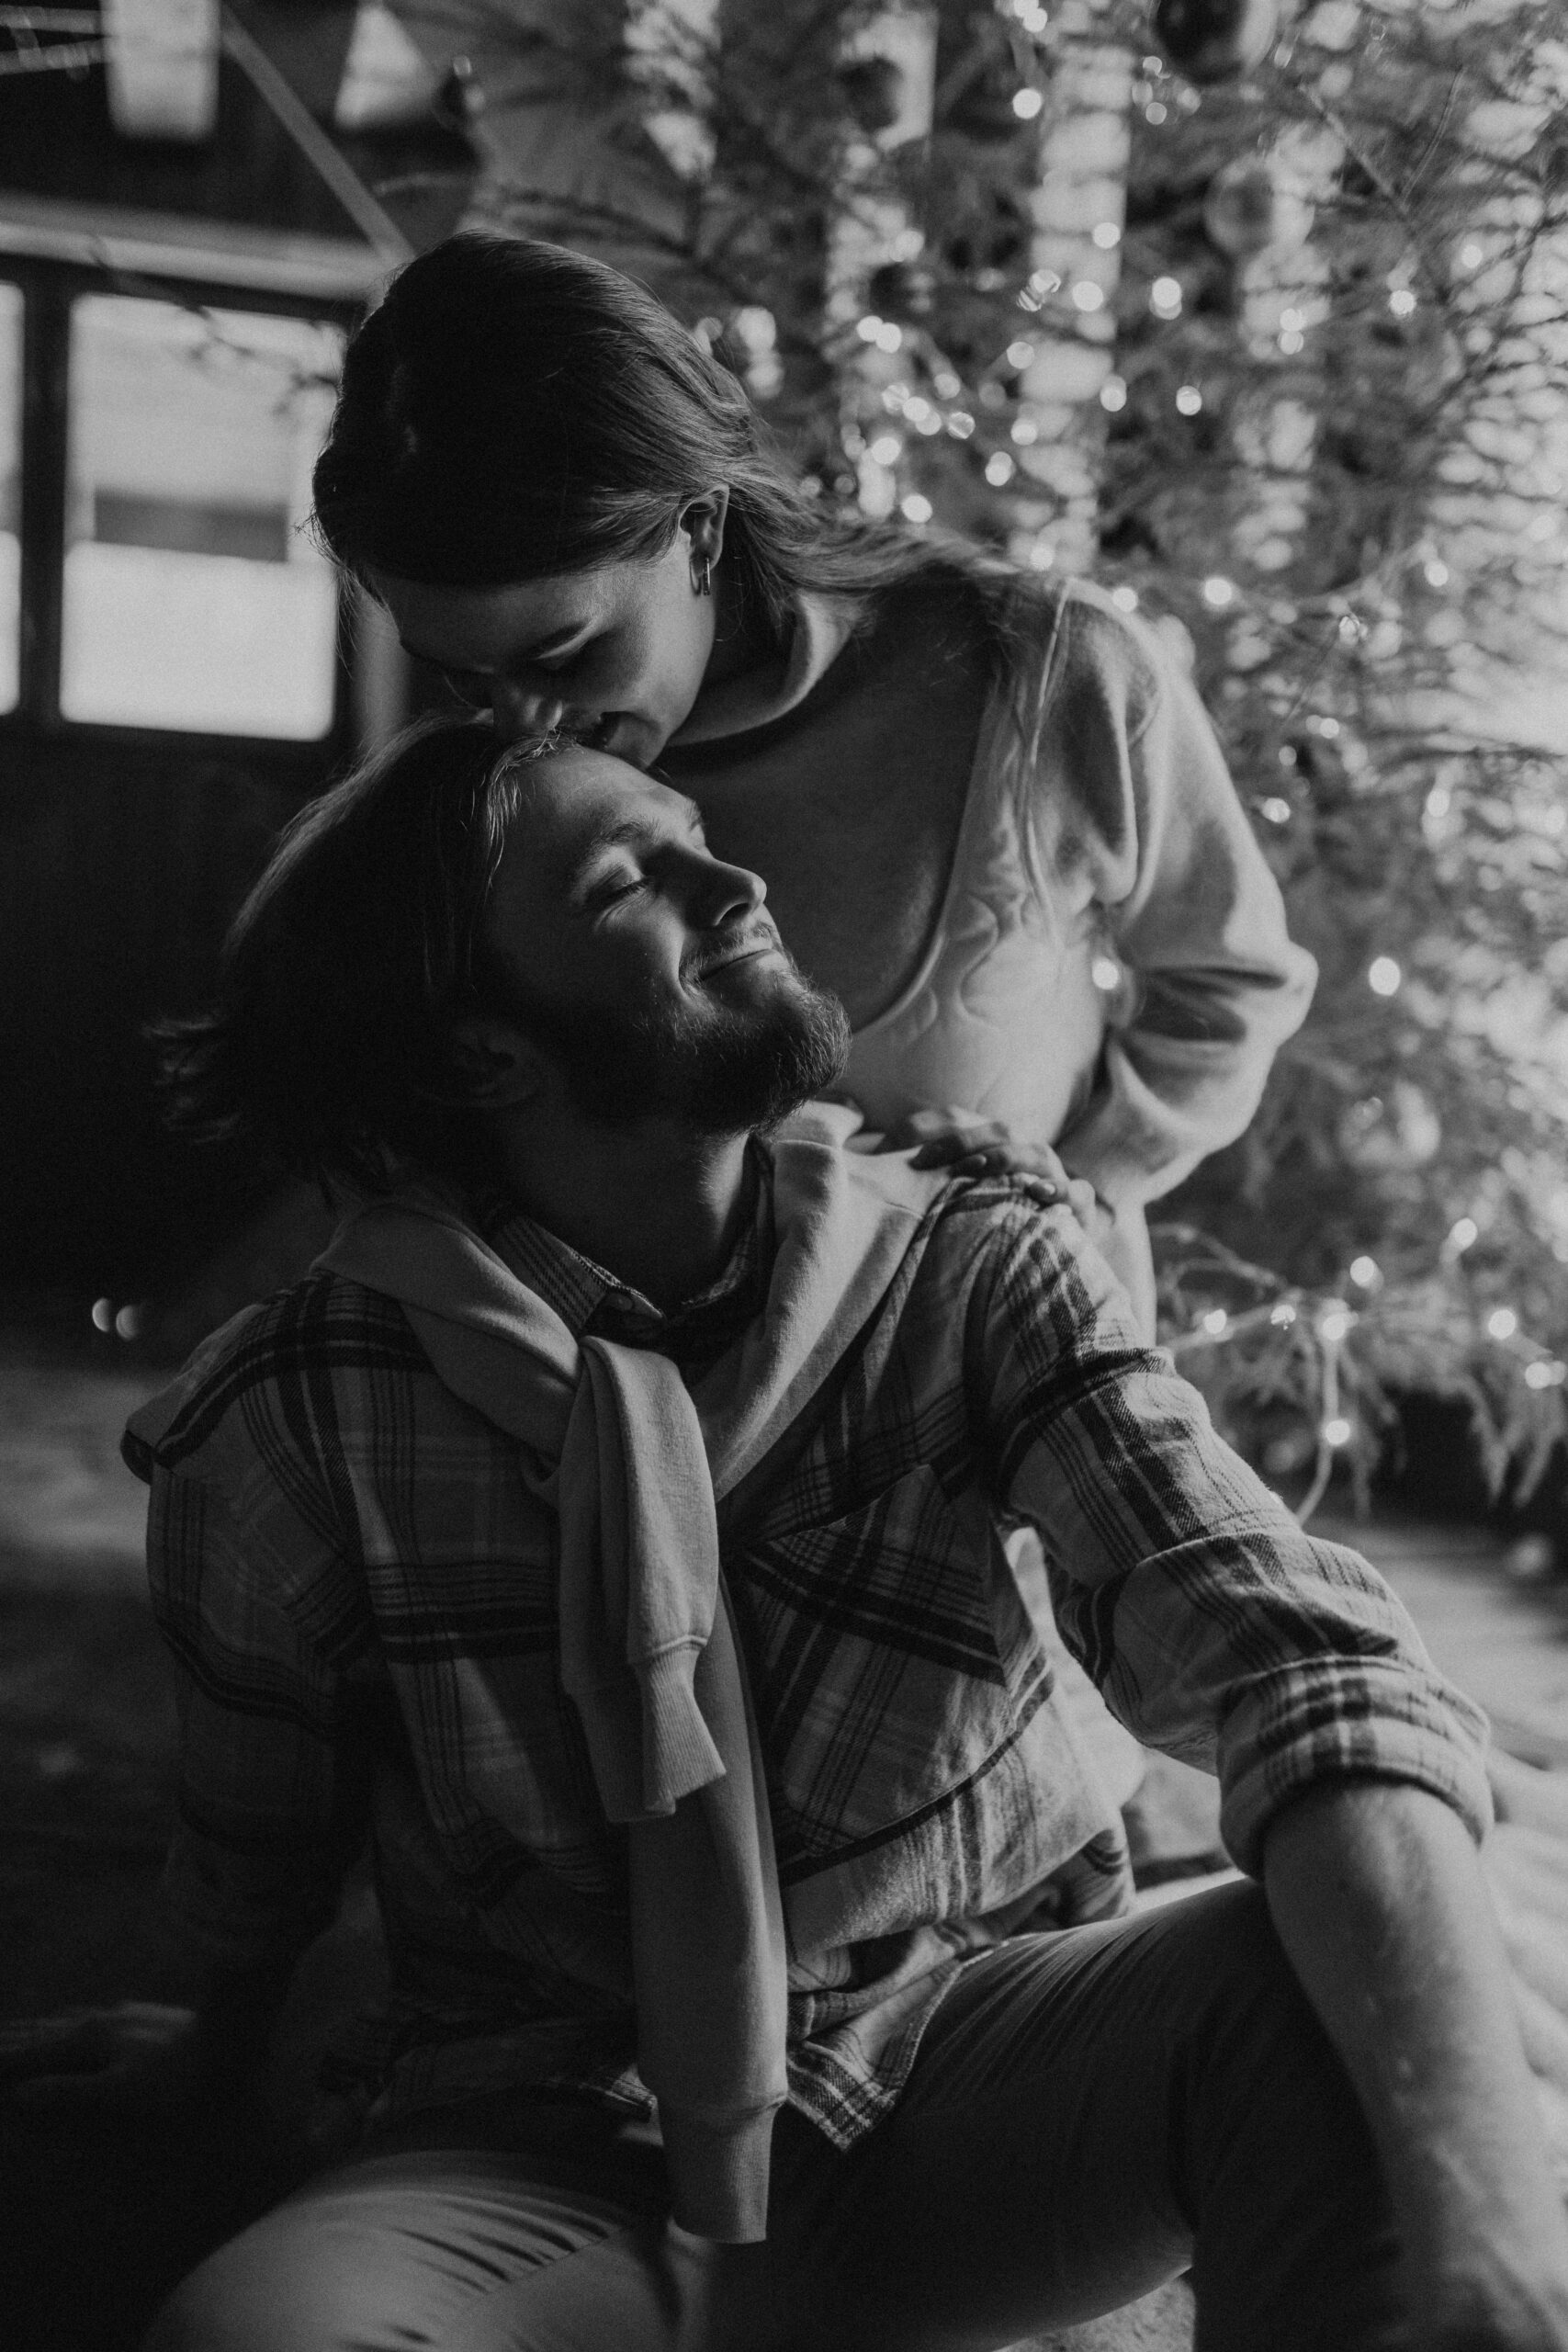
(613, 1522)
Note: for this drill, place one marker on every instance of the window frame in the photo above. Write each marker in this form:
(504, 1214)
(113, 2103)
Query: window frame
(49, 289)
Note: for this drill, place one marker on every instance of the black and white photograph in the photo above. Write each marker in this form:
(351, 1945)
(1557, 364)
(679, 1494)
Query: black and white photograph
(784, 1176)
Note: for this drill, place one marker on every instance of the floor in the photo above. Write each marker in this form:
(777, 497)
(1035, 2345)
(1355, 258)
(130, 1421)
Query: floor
(102, 2218)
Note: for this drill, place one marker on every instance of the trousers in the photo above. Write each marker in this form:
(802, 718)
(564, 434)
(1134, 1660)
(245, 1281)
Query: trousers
(1090, 2113)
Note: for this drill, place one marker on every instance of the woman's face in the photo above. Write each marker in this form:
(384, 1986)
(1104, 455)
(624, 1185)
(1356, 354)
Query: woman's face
(615, 656)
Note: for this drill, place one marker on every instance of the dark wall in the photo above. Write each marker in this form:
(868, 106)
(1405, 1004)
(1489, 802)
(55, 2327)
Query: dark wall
(120, 862)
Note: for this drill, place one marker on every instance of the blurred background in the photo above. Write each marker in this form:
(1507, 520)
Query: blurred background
(1256, 314)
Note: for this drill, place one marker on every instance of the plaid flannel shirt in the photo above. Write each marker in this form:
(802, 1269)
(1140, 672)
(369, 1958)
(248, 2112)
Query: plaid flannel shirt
(359, 1593)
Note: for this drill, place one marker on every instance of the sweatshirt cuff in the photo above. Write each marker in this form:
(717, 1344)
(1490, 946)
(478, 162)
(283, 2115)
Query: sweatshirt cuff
(678, 1754)
(718, 2173)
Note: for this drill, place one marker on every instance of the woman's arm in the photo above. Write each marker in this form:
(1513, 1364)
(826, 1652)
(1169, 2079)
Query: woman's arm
(1377, 1895)
(1135, 818)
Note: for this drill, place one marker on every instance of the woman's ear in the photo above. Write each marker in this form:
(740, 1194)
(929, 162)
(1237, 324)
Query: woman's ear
(494, 1067)
(703, 519)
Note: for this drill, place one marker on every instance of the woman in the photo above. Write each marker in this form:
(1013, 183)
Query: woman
(991, 814)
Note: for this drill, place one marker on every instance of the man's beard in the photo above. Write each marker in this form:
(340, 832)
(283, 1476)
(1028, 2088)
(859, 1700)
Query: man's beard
(727, 1069)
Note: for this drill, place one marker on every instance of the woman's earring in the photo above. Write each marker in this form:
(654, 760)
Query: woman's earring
(702, 576)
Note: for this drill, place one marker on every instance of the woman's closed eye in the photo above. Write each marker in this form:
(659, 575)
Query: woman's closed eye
(475, 688)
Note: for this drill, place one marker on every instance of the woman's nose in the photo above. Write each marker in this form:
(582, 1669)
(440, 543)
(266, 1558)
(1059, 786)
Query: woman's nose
(522, 710)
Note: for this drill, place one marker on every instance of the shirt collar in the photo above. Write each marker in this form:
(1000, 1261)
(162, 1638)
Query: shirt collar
(589, 1299)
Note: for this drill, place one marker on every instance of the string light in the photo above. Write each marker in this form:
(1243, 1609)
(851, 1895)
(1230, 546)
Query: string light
(1024, 431)
(1106, 235)
(1019, 354)
(1401, 302)
(1125, 599)
(1106, 974)
(1165, 298)
(1027, 104)
(1087, 296)
(1279, 812)
(1384, 975)
(1437, 571)
(1338, 1431)
(1545, 1372)
(1502, 1323)
(1000, 468)
(1470, 255)
(1462, 1235)
(1333, 1323)
(885, 450)
(1188, 399)
(1113, 393)
(1215, 1321)
(1218, 591)
(1365, 1274)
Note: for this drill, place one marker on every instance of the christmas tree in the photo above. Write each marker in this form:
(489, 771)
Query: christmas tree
(1264, 324)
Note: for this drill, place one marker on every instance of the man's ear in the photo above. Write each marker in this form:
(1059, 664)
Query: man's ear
(493, 1065)
(702, 520)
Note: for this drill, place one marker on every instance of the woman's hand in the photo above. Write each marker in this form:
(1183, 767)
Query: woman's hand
(968, 1146)
(139, 2059)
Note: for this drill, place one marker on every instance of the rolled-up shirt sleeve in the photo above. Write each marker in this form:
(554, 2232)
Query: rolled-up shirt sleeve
(1135, 812)
(267, 1816)
(1215, 1626)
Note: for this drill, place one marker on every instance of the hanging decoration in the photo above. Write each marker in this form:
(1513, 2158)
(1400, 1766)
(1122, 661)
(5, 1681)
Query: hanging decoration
(1216, 41)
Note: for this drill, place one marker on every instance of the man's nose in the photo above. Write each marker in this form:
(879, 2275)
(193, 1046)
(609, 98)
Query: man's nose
(722, 893)
(522, 709)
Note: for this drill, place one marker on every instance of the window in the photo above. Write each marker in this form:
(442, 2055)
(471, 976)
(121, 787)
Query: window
(193, 598)
(10, 491)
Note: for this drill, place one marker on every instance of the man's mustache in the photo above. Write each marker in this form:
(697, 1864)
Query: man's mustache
(746, 939)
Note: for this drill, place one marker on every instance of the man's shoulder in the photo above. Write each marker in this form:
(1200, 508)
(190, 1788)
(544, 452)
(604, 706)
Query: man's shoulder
(280, 1357)
(982, 1232)
(1025, 1267)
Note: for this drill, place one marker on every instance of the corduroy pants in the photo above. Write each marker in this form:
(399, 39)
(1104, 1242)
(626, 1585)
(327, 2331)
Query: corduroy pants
(1090, 2113)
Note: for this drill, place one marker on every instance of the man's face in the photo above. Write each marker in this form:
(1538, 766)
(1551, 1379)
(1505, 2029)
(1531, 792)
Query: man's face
(649, 972)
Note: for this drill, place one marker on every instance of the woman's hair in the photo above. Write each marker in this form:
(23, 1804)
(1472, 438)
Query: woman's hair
(327, 1044)
(512, 410)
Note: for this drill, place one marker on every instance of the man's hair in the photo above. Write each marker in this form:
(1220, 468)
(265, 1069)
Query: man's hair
(328, 1042)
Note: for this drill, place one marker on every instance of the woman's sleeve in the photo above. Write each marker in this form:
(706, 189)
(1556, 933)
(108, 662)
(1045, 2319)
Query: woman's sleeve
(1134, 815)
